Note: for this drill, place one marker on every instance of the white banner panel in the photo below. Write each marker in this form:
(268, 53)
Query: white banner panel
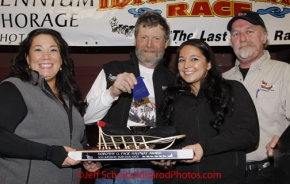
(111, 22)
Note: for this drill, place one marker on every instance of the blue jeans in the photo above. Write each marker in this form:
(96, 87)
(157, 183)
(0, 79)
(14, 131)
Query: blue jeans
(130, 176)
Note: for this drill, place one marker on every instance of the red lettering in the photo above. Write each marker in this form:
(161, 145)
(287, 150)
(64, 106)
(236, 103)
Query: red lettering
(103, 4)
(238, 7)
(137, 2)
(222, 8)
(118, 4)
(201, 8)
(285, 2)
(177, 10)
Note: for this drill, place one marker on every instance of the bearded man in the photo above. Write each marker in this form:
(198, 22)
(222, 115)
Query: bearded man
(268, 82)
(111, 100)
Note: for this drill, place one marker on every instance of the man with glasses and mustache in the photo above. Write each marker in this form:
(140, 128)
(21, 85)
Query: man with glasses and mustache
(268, 82)
(111, 96)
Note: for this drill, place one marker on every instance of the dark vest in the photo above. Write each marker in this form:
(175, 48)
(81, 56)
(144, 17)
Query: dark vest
(119, 111)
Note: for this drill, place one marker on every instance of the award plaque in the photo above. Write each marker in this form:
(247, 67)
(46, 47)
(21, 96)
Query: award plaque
(121, 143)
(144, 154)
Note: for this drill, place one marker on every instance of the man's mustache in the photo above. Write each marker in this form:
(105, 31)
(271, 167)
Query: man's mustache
(245, 44)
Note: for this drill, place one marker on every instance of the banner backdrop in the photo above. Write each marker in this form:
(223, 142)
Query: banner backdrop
(111, 22)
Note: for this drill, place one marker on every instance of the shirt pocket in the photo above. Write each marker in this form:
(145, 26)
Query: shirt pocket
(270, 92)
(268, 103)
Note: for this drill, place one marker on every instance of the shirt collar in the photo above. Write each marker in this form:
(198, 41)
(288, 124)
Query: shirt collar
(258, 63)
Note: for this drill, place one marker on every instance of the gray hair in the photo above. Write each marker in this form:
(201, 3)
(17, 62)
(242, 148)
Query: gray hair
(265, 31)
(152, 19)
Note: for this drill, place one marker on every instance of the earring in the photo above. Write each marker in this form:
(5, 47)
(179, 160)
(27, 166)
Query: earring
(60, 69)
(29, 66)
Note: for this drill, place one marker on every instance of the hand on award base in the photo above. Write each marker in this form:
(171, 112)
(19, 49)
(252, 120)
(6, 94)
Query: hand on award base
(164, 164)
(198, 153)
(69, 161)
(92, 166)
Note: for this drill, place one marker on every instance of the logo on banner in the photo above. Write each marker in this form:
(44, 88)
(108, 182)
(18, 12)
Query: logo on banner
(126, 30)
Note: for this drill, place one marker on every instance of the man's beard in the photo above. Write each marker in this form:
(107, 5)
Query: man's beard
(149, 63)
(246, 52)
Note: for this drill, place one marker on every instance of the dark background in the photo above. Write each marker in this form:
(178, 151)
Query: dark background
(89, 60)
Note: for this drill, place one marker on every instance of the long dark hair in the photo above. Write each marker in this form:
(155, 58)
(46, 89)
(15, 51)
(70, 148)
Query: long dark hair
(64, 79)
(218, 91)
